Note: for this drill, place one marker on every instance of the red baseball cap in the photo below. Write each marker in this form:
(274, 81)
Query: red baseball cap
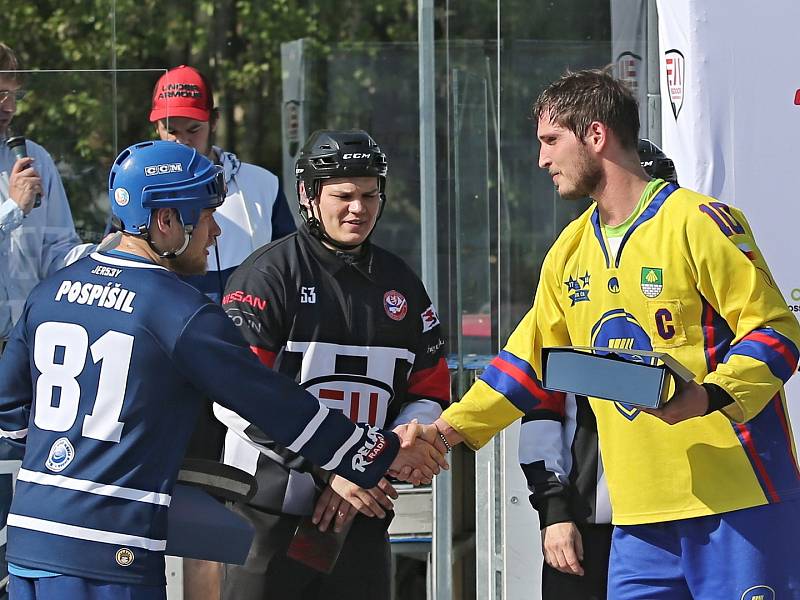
(182, 92)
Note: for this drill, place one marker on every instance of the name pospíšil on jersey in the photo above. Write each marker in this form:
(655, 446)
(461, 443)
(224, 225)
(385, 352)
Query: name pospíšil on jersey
(102, 380)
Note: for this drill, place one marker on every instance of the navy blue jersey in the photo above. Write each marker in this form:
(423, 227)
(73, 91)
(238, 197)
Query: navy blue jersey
(102, 380)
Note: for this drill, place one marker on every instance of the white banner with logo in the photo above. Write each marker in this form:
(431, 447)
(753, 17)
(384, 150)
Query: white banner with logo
(731, 119)
(629, 48)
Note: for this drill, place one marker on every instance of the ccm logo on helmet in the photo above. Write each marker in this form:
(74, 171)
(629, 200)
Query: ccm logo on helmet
(163, 169)
(356, 155)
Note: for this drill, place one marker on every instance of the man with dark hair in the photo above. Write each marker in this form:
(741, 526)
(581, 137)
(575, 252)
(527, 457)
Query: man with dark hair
(560, 457)
(697, 486)
(354, 325)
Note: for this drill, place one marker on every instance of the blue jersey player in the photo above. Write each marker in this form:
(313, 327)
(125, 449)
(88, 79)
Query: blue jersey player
(102, 380)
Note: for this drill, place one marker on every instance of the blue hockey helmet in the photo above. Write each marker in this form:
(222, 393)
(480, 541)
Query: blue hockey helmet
(160, 174)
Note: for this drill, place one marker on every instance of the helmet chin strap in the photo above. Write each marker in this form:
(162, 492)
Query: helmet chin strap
(187, 237)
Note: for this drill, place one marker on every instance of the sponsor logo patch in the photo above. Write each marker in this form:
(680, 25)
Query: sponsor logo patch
(652, 281)
(395, 305)
(429, 319)
(124, 557)
(61, 454)
(164, 169)
(121, 196)
(245, 298)
(372, 448)
(613, 285)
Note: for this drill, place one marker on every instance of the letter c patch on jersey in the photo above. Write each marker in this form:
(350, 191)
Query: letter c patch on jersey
(666, 323)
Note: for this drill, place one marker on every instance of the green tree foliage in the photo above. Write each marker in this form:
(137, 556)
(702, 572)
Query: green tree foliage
(84, 116)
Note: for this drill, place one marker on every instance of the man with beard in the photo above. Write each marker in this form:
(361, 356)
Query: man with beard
(104, 376)
(697, 486)
(560, 457)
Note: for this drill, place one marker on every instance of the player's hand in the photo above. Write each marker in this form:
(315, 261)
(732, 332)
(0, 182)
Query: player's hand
(332, 508)
(24, 184)
(413, 430)
(418, 463)
(562, 546)
(372, 502)
(689, 400)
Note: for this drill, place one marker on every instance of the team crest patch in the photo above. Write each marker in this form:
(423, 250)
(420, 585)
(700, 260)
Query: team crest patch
(121, 196)
(759, 592)
(395, 305)
(652, 281)
(61, 454)
(124, 557)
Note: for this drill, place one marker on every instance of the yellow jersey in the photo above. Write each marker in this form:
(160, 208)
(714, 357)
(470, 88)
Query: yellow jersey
(687, 279)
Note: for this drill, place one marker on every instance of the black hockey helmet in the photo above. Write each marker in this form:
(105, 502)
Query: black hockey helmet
(655, 163)
(332, 153)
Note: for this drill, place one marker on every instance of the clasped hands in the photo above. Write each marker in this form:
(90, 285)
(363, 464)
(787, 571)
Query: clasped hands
(421, 457)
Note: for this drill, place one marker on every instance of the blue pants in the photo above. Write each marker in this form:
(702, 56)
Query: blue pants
(65, 587)
(742, 555)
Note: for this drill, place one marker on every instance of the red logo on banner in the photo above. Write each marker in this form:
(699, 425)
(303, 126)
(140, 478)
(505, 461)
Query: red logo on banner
(628, 70)
(797, 97)
(676, 79)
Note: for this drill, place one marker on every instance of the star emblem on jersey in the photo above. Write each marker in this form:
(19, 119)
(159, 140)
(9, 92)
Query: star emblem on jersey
(395, 305)
(652, 281)
(578, 288)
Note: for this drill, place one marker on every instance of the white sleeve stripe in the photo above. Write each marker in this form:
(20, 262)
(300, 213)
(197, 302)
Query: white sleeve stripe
(357, 436)
(14, 435)
(310, 429)
(232, 420)
(91, 487)
(85, 533)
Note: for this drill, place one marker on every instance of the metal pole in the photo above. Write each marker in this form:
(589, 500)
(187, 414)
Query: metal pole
(427, 149)
(442, 545)
(653, 75)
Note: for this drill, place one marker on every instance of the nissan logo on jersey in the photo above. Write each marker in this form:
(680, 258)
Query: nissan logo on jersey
(361, 399)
